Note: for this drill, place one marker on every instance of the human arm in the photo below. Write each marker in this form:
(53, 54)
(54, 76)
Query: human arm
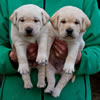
(90, 60)
(5, 47)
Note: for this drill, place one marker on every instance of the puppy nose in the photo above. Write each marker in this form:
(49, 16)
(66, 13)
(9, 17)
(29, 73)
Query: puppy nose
(29, 30)
(69, 31)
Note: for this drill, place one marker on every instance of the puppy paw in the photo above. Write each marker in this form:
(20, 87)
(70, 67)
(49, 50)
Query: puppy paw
(41, 84)
(28, 85)
(23, 69)
(48, 90)
(68, 68)
(42, 60)
(56, 93)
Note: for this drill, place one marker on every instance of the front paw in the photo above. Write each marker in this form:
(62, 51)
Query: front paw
(48, 90)
(68, 68)
(42, 60)
(23, 69)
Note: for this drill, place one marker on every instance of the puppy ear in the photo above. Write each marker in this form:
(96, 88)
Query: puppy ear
(45, 17)
(54, 20)
(85, 23)
(13, 17)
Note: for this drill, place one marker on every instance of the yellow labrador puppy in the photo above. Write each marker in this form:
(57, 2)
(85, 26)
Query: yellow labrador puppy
(29, 24)
(69, 24)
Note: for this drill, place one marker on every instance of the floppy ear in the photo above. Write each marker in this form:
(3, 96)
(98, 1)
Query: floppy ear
(45, 17)
(13, 17)
(85, 23)
(54, 20)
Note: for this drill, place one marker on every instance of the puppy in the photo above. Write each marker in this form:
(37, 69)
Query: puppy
(29, 24)
(69, 24)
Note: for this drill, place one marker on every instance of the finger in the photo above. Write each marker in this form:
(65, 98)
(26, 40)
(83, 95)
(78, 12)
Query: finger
(61, 45)
(33, 44)
(57, 54)
(58, 50)
(63, 56)
(13, 56)
(14, 49)
(31, 49)
(32, 56)
(60, 41)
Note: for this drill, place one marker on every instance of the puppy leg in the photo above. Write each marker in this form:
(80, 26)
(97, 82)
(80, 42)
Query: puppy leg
(50, 74)
(45, 43)
(22, 58)
(27, 81)
(41, 77)
(23, 65)
(50, 42)
(61, 84)
(42, 57)
(71, 58)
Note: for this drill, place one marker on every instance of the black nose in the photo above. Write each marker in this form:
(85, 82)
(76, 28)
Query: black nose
(69, 31)
(28, 30)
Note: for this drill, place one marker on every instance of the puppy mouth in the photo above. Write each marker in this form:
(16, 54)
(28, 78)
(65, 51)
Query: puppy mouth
(28, 34)
(31, 35)
(69, 33)
(69, 36)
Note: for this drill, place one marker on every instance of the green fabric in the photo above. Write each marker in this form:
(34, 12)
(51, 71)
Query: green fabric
(17, 91)
(12, 87)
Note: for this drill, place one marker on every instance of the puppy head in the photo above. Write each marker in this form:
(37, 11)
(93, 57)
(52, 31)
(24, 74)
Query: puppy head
(29, 19)
(70, 22)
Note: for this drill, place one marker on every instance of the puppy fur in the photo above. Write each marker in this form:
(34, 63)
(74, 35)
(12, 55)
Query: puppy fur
(69, 24)
(29, 24)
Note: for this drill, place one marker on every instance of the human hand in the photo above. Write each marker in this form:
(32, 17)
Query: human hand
(61, 50)
(31, 53)
(12, 55)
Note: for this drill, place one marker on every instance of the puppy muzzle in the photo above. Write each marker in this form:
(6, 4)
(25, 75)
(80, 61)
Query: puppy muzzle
(69, 32)
(29, 31)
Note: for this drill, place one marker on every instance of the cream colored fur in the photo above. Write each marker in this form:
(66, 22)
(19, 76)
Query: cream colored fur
(29, 24)
(69, 24)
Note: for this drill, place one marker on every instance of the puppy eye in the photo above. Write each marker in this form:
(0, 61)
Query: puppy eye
(76, 22)
(63, 21)
(22, 20)
(36, 20)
